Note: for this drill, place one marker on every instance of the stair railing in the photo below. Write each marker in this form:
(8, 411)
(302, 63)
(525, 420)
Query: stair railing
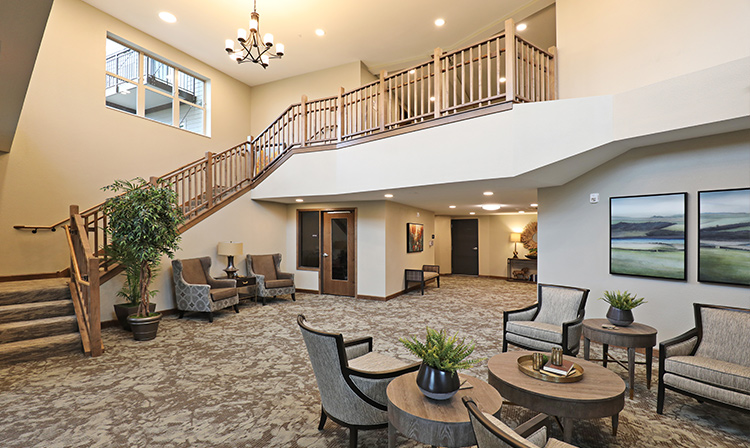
(84, 284)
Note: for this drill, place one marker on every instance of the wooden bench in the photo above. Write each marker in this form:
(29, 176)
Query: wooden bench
(427, 273)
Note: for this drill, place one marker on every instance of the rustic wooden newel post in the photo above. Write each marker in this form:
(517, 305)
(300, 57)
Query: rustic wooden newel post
(209, 179)
(510, 60)
(552, 73)
(303, 124)
(94, 317)
(340, 115)
(250, 148)
(438, 85)
(382, 102)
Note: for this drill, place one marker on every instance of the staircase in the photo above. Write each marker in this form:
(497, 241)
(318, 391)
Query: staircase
(37, 320)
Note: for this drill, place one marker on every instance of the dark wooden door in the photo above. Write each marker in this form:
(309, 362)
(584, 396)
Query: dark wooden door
(465, 247)
(338, 257)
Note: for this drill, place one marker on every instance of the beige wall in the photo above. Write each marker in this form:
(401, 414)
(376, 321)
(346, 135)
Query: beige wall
(396, 259)
(271, 99)
(68, 144)
(609, 46)
(574, 234)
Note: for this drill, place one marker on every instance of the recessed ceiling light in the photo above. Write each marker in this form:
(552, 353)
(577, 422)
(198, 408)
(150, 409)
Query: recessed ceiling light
(439, 22)
(451, 206)
(521, 27)
(491, 207)
(167, 17)
(472, 213)
(320, 32)
(502, 79)
(432, 98)
(412, 71)
(521, 212)
(300, 200)
(388, 195)
(534, 205)
(488, 193)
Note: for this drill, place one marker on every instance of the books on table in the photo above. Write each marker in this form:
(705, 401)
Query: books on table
(565, 369)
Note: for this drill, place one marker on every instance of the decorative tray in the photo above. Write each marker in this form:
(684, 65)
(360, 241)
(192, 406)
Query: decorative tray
(526, 365)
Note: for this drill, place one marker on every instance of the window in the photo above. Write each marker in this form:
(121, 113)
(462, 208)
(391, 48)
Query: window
(141, 84)
(308, 249)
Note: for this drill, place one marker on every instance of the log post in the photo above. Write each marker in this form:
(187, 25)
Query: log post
(552, 73)
(437, 89)
(250, 148)
(382, 103)
(340, 115)
(304, 120)
(94, 317)
(510, 60)
(209, 179)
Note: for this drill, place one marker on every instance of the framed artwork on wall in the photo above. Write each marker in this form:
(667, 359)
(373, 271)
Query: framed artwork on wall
(414, 237)
(724, 236)
(647, 235)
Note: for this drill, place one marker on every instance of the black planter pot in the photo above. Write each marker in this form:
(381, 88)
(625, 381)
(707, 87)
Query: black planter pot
(123, 310)
(621, 318)
(144, 328)
(437, 384)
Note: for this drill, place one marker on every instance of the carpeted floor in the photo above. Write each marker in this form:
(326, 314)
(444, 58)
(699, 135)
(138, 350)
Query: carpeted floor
(245, 380)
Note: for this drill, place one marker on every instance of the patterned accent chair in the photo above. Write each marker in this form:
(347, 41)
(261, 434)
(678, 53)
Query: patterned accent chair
(492, 433)
(428, 273)
(196, 290)
(710, 362)
(269, 280)
(352, 379)
(556, 320)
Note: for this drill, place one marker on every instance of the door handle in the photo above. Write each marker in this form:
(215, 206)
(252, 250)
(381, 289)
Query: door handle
(325, 254)
(476, 248)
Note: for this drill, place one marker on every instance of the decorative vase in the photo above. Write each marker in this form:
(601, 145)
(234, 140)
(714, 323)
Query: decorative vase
(437, 384)
(123, 310)
(144, 328)
(621, 318)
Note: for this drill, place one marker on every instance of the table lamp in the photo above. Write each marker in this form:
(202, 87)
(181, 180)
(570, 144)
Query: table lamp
(230, 249)
(515, 238)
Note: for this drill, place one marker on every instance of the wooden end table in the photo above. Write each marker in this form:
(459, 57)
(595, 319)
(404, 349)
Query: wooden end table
(601, 393)
(436, 422)
(633, 336)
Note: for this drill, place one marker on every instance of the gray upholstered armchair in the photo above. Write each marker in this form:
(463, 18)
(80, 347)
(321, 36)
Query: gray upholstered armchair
(556, 320)
(196, 290)
(269, 280)
(492, 433)
(352, 379)
(709, 362)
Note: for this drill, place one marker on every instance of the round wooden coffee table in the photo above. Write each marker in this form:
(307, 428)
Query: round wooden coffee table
(633, 336)
(601, 393)
(436, 422)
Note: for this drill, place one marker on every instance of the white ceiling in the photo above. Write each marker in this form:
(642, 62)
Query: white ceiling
(384, 34)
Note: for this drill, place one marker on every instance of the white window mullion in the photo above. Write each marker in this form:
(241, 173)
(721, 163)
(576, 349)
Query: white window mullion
(141, 103)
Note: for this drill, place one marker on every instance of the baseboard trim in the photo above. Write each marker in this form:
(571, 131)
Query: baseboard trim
(308, 291)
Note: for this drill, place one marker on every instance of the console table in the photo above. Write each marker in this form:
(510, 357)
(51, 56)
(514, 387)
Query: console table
(520, 263)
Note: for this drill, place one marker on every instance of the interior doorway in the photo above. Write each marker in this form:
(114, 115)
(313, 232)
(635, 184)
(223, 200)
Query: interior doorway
(465, 246)
(338, 257)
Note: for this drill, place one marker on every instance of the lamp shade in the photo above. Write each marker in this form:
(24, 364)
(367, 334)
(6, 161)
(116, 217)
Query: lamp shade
(515, 237)
(230, 249)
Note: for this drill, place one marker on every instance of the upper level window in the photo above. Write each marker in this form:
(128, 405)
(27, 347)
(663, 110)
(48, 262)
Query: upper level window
(141, 84)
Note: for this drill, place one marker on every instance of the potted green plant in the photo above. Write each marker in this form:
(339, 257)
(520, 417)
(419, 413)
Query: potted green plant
(143, 224)
(442, 356)
(621, 305)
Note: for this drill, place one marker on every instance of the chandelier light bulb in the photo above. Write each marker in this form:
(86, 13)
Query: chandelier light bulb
(254, 25)
(229, 46)
(280, 49)
(264, 59)
(268, 39)
(241, 34)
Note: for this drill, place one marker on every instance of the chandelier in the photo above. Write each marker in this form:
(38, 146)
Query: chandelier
(253, 48)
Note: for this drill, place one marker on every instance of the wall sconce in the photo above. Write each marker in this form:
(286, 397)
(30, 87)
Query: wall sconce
(230, 250)
(515, 238)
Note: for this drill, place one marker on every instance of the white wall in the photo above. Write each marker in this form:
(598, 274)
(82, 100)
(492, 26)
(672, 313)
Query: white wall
(610, 46)
(68, 144)
(574, 235)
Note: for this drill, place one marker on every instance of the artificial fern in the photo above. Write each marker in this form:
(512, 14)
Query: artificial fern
(441, 351)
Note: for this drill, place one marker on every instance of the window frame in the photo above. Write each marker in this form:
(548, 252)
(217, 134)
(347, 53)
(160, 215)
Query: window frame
(142, 86)
(299, 239)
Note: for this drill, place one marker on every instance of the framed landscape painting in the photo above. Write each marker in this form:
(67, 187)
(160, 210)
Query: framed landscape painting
(414, 237)
(724, 236)
(647, 236)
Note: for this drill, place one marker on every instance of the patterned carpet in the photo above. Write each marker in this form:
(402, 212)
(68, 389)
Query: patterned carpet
(245, 380)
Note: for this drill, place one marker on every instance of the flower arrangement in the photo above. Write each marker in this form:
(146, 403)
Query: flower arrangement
(441, 351)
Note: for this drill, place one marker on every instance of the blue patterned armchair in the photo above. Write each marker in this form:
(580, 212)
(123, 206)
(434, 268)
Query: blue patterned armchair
(196, 290)
(556, 320)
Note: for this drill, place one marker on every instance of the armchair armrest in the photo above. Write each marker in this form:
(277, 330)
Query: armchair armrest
(431, 268)
(533, 425)
(260, 279)
(527, 313)
(383, 374)
(285, 275)
(357, 347)
(571, 334)
(682, 345)
(221, 282)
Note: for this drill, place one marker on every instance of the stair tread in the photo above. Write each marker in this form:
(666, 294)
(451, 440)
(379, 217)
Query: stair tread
(30, 291)
(40, 348)
(31, 285)
(36, 305)
(35, 322)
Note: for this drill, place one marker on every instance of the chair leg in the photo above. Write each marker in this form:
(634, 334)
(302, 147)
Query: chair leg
(352, 437)
(323, 418)
(660, 397)
(438, 281)
(505, 344)
(422, 288)
(236, 309)
(181, 314)
(293, 299)
(210, 316)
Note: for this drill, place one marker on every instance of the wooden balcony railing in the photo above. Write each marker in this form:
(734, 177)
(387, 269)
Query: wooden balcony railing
(476, 76)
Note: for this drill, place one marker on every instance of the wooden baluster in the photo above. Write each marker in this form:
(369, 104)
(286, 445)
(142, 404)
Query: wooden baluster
(382, 103)
(303, 122)
(510, 60)
(340, 116)
(209, 180)
(552, 73)
(471, 74)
